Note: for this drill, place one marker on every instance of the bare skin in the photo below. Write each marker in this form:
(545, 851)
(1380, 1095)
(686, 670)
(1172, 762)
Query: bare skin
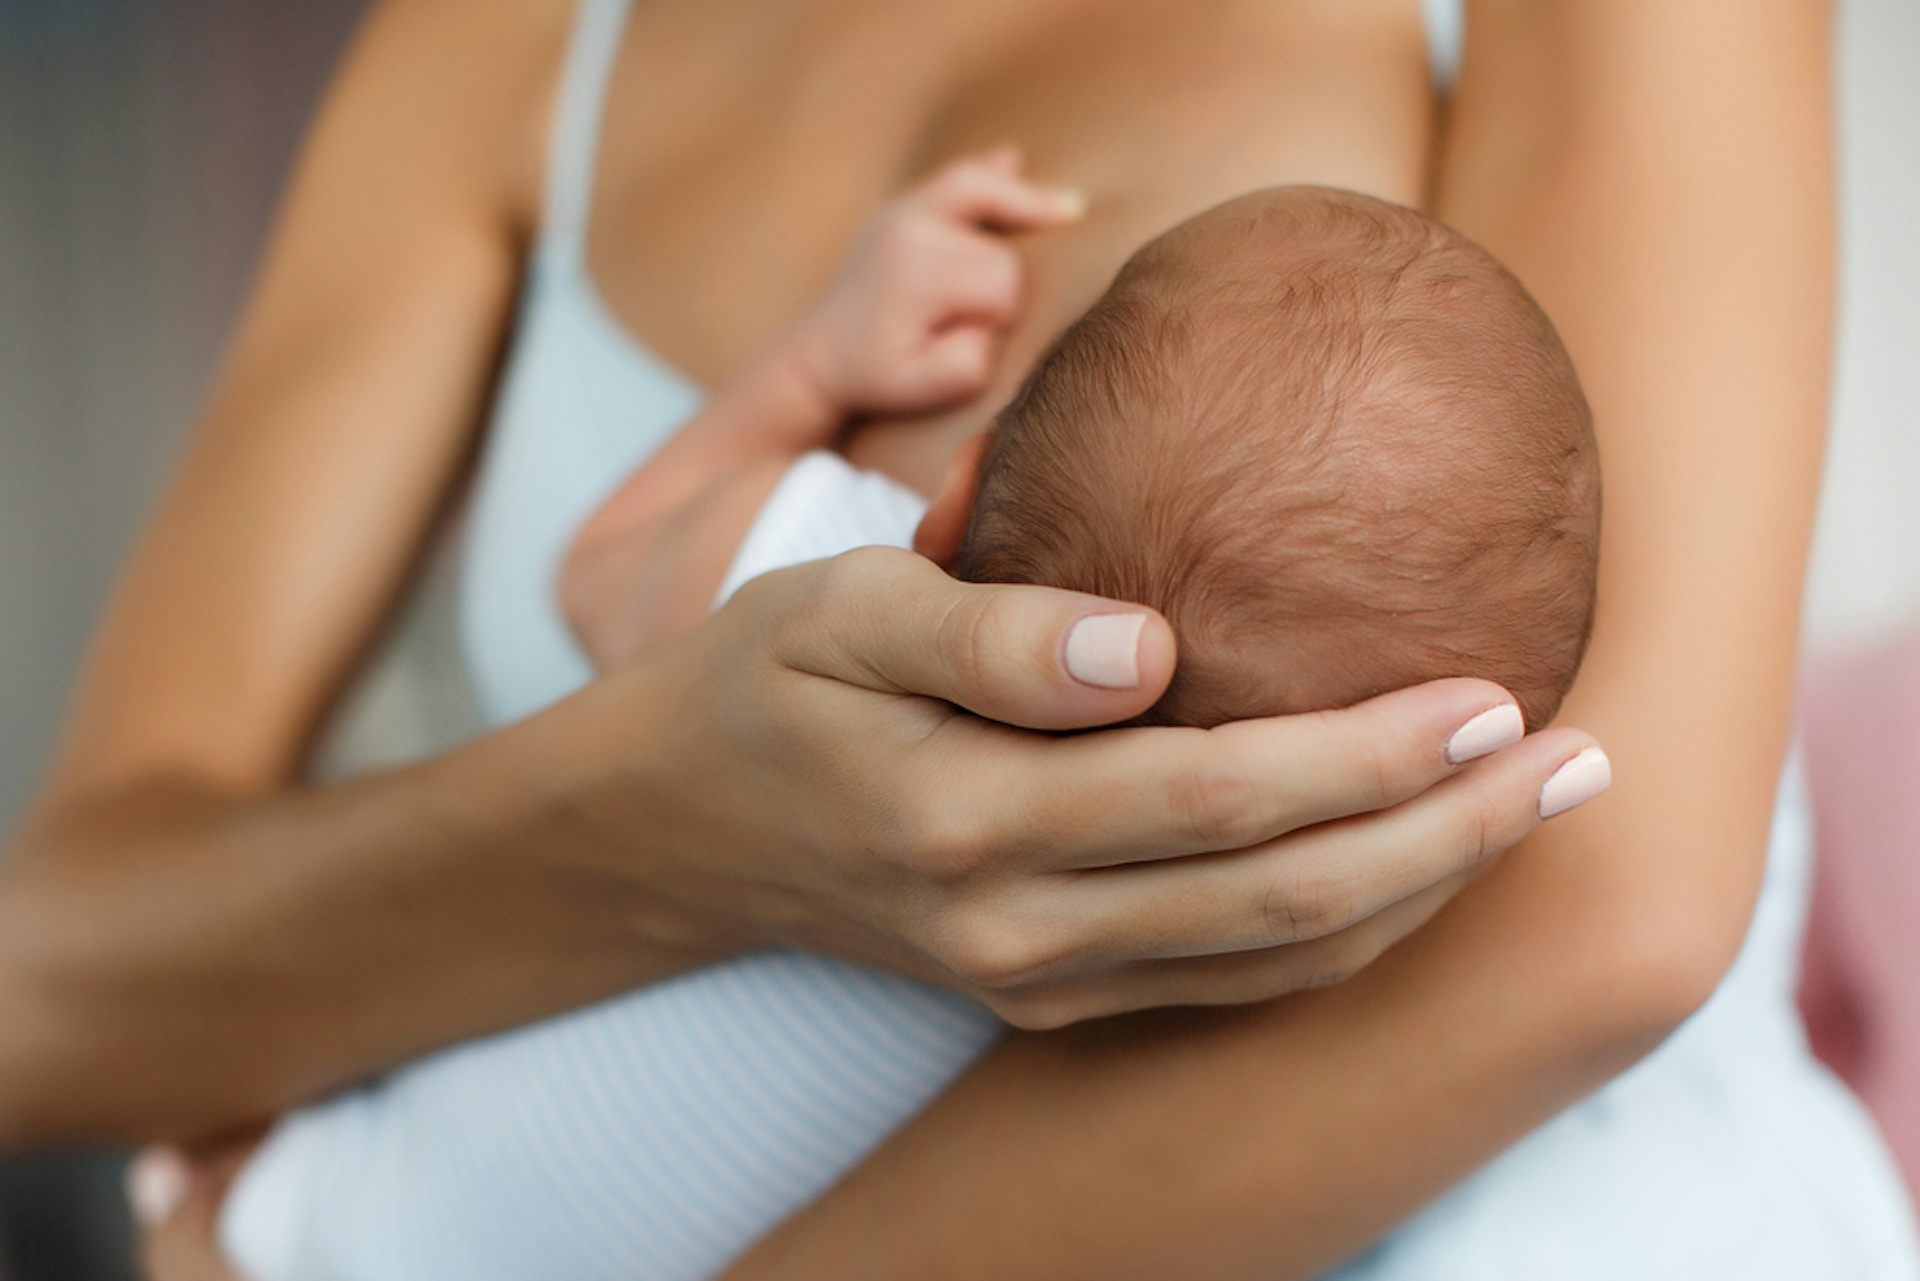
(1259, 1131)
(1150, 114)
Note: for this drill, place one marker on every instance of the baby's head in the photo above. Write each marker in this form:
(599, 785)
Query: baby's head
(1335, 443)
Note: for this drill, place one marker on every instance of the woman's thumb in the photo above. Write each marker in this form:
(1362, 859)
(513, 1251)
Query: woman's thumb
(1037, 657)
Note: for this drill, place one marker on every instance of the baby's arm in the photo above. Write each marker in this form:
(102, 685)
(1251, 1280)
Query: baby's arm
(909, 324)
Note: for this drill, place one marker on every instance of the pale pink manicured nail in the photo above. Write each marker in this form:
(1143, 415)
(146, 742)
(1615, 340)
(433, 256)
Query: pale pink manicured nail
(1491, 730)
(1070, 201)
(157, 1181)
(1104, 650)
(1577, 782)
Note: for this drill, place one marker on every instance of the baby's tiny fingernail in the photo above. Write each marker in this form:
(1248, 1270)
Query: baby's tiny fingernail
(1103, 650)
(157, 1181)
(1575, 783)
(1491, 730)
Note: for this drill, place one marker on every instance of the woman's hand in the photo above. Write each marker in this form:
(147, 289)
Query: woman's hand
(811, 779)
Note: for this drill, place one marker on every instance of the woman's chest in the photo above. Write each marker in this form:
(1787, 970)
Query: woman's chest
(744, 143)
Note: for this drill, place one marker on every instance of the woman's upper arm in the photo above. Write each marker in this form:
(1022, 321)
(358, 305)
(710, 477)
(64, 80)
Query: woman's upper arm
(347, 402)
(1660, 175)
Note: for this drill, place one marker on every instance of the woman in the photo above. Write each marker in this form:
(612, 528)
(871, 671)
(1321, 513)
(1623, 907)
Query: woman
(543, 855)
(628, 832)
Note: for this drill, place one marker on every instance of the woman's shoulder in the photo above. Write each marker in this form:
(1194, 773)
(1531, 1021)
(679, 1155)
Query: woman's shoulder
(480, 75)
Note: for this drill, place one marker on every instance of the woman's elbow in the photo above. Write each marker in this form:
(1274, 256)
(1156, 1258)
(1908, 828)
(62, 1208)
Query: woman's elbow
(48, 1095)
(1657, 955)
(56, 1089)
(85, 1055)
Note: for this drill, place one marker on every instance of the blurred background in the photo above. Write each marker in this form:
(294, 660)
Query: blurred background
(142, 146)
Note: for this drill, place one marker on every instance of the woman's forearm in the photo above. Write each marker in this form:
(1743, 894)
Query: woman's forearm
(247, 951)
(1263, 1143)
(1659, 176)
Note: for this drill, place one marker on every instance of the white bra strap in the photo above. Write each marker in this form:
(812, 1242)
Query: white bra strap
(1446, 22)
(574, 147)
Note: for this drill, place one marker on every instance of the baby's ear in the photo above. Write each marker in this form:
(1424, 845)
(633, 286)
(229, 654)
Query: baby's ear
(945, 525)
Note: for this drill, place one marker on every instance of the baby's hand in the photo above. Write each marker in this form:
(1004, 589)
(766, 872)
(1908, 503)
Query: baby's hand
(912, 320)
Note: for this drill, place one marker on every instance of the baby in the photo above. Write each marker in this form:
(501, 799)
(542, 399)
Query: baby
(1336, 444)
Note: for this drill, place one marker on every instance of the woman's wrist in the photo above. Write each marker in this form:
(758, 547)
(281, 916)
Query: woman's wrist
(571, 806)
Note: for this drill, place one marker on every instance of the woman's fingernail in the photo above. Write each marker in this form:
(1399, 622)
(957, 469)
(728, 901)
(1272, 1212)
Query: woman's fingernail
(157, 1181)
(1070, 201)
(1491, 730)
(1575, 783)
(1104, 650)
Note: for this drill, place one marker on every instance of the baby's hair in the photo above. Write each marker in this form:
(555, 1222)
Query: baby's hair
(1337, 444)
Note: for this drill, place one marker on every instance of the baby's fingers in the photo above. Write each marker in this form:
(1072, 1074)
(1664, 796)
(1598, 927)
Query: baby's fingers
(990, 192)
(974, 278)
(957, 364)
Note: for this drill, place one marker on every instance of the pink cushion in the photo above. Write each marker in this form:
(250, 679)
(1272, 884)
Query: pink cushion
(1861, 992)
